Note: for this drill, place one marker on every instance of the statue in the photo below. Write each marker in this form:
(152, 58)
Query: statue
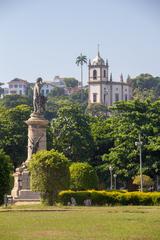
(38, 99)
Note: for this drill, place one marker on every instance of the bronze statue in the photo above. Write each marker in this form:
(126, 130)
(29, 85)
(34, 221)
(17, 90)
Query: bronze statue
(35, 144)
(38, 99)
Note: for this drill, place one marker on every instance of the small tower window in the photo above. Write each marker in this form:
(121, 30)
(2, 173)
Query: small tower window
(104, 73)
(126, 97)
(94, 74)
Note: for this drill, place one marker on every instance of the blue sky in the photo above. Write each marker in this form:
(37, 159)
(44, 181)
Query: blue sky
(44, 37)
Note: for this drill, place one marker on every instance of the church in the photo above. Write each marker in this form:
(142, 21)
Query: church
(102, 88)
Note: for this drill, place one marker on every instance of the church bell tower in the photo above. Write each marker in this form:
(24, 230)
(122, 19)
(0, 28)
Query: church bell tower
(98, 78)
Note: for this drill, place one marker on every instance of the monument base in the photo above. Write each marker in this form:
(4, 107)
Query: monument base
(21, 191)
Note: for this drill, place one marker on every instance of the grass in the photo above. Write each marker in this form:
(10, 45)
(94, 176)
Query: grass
(80, 223)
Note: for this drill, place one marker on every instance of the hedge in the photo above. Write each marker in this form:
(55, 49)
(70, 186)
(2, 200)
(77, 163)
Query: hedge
(110, 197)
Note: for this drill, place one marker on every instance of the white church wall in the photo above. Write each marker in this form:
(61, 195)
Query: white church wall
(116, 92)
(94, 89)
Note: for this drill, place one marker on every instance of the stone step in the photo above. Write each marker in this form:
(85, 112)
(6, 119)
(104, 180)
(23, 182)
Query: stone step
(25, 200)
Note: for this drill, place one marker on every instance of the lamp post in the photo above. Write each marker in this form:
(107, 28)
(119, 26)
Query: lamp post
(110, 169)
(115, 181)
(139, 145)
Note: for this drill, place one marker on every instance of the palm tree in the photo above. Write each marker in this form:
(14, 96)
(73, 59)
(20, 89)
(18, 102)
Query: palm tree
(80, 60)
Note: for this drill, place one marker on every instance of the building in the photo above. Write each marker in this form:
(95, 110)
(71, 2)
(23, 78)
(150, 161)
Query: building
(47, 88)
(102, 89)
(59, 82)
(18, 86)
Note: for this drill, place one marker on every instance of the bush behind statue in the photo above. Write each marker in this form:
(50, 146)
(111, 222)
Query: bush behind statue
(49, 174)
(83, 177)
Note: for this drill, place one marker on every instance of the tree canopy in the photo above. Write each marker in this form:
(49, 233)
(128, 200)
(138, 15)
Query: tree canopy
(14, 132)
(71, 133)
(71, 82)
(145, 85)
(5, 171)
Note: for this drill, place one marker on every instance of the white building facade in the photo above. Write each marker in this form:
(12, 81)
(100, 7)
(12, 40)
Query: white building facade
(47, 88)
(18, 86)
(102, 89)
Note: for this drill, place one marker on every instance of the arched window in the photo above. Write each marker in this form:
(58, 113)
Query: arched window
(94, 74)
(104, 73)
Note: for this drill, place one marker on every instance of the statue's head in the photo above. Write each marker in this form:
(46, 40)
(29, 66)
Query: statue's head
(39, 80)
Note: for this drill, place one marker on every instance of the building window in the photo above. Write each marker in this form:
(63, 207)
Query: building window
(11, 86)
(126, 90)
(116, 97)
(42, 92)
(94, 97)
(94, 74)
(20, 92)
(20, 86)
(125, 97)
(47, 91)
(15, 86)
(116, 89)
(104, 73)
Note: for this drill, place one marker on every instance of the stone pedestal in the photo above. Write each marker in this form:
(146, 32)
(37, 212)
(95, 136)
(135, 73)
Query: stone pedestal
(36, 141)
(36, 132)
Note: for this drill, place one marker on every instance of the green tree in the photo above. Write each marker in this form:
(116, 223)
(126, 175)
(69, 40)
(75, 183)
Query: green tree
(83, 177)
(76, 97)
(97, 109)
(81, 60)
(145, 85)
(57, 91)
(49, 174)
(72, 134)
(54, 104)
(71, 82)
(13, 132)
(101, 130)
(127, 121)
(5, 172)
(11, 101)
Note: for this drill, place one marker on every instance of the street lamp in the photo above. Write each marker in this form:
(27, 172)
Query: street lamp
(110, 169)
(115, 182)
(139, 145)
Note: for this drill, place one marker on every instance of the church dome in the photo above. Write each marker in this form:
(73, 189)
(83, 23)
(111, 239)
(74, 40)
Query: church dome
(98, 60)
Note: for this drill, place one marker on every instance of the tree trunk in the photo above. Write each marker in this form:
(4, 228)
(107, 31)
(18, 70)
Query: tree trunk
(81, 83)
(47, 198)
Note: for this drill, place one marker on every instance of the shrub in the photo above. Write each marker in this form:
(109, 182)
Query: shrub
(82, 177)
(147, 181)
(49, 174)
(110, 197)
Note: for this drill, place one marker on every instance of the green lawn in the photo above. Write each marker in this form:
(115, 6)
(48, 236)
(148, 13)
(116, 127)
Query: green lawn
(80, 223)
